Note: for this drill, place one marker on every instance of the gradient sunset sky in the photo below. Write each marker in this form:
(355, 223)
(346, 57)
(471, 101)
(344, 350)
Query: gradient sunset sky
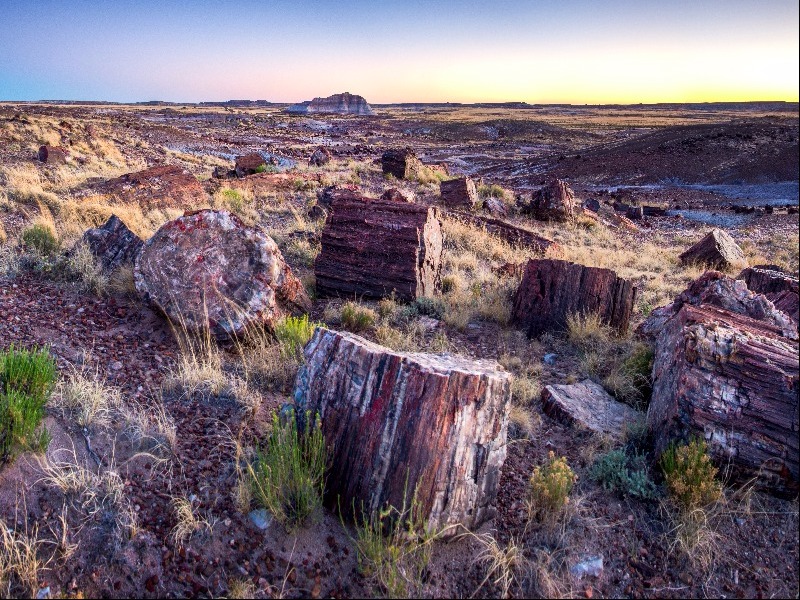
(566, 51)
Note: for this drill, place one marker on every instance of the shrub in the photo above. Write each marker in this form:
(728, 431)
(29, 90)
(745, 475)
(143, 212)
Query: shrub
(615, 473)
(288, 475)
(491, 191)
(293, 333)
(430, 307)
(357, 318)
(40, 238)
(587, 332)
(26, 381)
(549, 489)
(690, 475)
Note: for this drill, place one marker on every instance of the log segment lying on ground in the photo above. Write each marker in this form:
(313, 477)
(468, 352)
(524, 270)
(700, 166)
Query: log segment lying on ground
(399, 422)
(506, 231)
(734, 381)
(717, 250)
(779, 287)
(459, 192)
(374, 247)
(553, 289)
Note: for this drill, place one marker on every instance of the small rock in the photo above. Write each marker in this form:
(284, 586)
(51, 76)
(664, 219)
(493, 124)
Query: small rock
(592, 566)
(261, 518)
(43, 593)
(550, 358)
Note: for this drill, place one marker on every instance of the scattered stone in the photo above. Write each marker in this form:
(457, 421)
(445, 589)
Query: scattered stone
(374, 248)
(553, 202)
(459, 193)
(113, 244)
(52, 155)
(399, 422)
(250, 164)
(320, 157)
(591, 566)
(550, 358)
(654, 211)
(635, 213)
(162, 186)
(717, 250)
(223, 173)
(317, 213)
(207, 269)
(587, 405)
(395, 195)
(553, 289)
(592, 204)
(260, 518)
(733, 381)
(495, 207)
(343, 104)
(516, 236)
(403, 163)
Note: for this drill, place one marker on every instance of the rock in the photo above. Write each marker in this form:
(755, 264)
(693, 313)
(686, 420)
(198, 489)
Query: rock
(320, 157)
(716, 289)
(403, 164)
(343, 104)
(260, 518)
(553, 289)
(459, 193)
(250, 164)
(732, 381)
(550, 358)
(317, 213)
(553, 202)
(395, 195)
(52, 155)
(592, 204)
(623, 222)
(591, 566)
(779, 287)
(717, 249)
(223, 173)
(208, 269)
(586, 405)
(327, 195)
(495, 207)
(788, 303)
(113, 244)
(509, 233)
(162, 186)
(635, 213)
(654, 211)
(374, 248)
(399, 422)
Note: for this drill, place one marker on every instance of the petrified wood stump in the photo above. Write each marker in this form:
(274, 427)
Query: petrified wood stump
(52, 154)
(459, 192)
(374, 247)
(734, 381)
(399, 422)
(402, 163)
(553, 289)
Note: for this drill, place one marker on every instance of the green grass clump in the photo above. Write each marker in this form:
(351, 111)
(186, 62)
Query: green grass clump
(549, 489)
(293, 333)
(288, 475)
(689, 474)
(26, 381)
(41, 239)
(357, 318)
(615, 471)
(491, 191)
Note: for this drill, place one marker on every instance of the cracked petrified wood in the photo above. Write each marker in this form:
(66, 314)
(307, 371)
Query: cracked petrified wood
(717, 250)
(513, 235)
(459, 193)
(374, 247)
(553, 289)
(162, 186)
(732, 380)
(554, 201)
(399, 422)
(113, 244)
(52, 154)
(208, 269)
(778, 286)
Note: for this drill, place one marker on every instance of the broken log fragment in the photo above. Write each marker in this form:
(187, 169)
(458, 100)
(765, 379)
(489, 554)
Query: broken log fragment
(511, 234)
(113, 244)
(717, 249)
(459, 193)
(399, 423)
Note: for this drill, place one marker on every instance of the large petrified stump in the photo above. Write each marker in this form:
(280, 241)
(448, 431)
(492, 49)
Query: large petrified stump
(374, 247)
(459, 193)
(402, 163)
(734, 381)
(249, 164)
(553, 289)
(554, 202)
(113, 244)
(396, 423)
(717, 250)
(208, 269)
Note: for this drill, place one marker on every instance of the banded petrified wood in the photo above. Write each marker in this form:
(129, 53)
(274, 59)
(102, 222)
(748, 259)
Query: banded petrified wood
(396, 423)
(373, 247)
(553, 289)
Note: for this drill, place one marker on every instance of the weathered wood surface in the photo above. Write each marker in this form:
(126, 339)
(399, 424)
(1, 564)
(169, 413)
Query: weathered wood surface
(162, 186)
(553, 289)
(52, 154)
(113, 244)
(248, 164)
(554, 201)
(207, 269)
(717, 250)
(402, 163)
(734, 381)
(781, 288)
(399, 422)
(373, 247)
(512, 234)
(459, 193)
(586, 405)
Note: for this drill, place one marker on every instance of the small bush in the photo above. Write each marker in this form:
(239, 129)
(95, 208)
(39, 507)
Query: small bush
(288, 476)
(357, 318)
(40, 238)
(690, 475)
(430, 307)
(587, 332)
(293, 333)
(26, 381)
(614, 472)
(491, 191)
(549, 489)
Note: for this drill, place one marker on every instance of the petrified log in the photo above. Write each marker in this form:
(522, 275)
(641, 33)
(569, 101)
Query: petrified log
(52, 155)
(327, 195)
(717, 289)
(592, 204)
(374, 248)
(320, 157)
(555, 201)
(402, 163)
(249, 164)
(207, 269)
(459, 193)
(495, 207)
(635, 213)
(654, 211)
(586, 405)
(553, 289)
(717, 250)
(396, 423)
(161, 186)
(395, 195)
(113, 244)
(734, 381)
(506, 231)
(777, 285)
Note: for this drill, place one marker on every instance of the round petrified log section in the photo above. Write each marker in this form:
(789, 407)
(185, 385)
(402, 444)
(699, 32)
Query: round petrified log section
(396, 423)
(208, 269)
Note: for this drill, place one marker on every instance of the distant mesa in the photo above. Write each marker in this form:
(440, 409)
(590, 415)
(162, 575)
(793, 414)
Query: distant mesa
(343, 104)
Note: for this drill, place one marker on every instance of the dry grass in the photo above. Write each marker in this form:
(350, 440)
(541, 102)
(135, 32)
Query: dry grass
(87, 398)
(19, 562)
(150, 427)
(502, 563)
(189, 521)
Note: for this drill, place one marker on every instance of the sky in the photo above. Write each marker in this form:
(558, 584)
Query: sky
(559, 51)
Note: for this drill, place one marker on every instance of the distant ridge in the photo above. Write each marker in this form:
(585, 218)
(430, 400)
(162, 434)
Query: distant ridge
(345, 103)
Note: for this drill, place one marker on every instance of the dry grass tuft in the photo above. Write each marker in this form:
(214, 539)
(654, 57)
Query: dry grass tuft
(502, 563)
(189, 521)
(87, 398)
(19, 562)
